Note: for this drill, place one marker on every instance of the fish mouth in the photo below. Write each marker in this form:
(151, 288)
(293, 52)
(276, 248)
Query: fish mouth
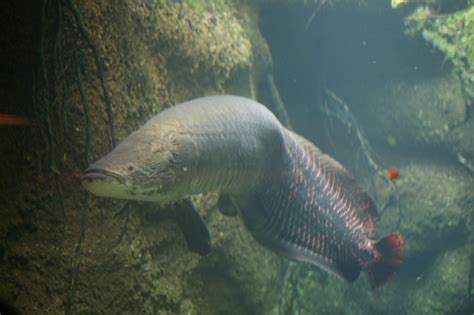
(109, 184)
(97, 174)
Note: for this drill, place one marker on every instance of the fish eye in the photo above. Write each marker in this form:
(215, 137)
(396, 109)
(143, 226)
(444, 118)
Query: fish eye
(130, 167)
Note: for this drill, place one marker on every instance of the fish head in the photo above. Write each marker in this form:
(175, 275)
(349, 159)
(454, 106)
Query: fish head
(152, 164)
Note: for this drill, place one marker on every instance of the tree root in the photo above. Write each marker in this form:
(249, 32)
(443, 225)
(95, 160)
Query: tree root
(290, 304)
(124, 209)
(464, 161)
(85, 105)
(42, 75)
(125, 225)
(470, 287)
(313, 15)
(277, 102)
(99, 65)
(48, 85)
(77, 260)
(59, 67)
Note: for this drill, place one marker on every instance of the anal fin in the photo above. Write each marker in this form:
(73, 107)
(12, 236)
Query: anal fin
(194, 228)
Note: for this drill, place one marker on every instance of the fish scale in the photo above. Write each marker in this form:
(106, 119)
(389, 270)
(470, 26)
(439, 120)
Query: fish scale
(311, 198)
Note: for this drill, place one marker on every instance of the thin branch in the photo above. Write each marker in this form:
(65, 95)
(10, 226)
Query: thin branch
(278, 105)
(464, 161)
(311, 18)
(85, 105)
(123, 209)
(59, 69)
(44, 76)
(77, 260)
(345, 116)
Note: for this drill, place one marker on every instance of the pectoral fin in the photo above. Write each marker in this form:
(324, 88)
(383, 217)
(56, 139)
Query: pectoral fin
(226, 205)
(194, 228)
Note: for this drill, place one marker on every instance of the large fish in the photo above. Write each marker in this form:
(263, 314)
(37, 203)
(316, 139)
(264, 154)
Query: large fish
(294, 199)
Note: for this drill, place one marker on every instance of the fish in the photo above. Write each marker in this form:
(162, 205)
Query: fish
(14, 120)
(294, 199)
(392, 173)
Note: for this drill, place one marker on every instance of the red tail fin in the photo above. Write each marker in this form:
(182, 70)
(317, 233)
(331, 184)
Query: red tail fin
(391, 250)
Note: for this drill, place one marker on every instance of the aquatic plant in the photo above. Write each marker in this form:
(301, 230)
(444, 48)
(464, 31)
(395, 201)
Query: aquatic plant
(453, 35)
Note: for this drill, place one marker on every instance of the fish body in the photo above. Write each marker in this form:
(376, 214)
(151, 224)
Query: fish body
(294, 199)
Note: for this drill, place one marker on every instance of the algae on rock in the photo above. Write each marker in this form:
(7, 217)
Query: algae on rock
(445, 287)
(434, 199)
(452, 34)
(65, 252)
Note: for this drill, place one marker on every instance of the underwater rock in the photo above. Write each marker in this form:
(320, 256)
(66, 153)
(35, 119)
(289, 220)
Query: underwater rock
(314, 2)
(451, 34)
(463, 142)
(435, 203)
(441, 5)
(308, 290)
(195, 38)
(444, 287)
(447, 27)
(80, 255)
(239, 276)
(430, 114)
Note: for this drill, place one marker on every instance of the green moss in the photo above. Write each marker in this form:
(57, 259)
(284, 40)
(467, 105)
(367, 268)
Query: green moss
(440, 43)
(155, 53)
(453, 35)
(204, 5)
(438, 219)
(444, 286)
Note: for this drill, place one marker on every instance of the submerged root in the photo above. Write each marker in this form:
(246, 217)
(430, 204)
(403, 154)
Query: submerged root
(124, 210)
(464, 161)
(290, 303)
(278, 106)
(85, 105)
(100, 68)
(77, 260)
(41, 82)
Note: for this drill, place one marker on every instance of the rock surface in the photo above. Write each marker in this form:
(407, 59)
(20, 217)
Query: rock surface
(63, 251)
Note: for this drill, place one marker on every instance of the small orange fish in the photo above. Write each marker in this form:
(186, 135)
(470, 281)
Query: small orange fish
(392, 173)
(14, 120)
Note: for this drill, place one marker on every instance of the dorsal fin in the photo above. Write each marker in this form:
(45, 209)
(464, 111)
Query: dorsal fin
(359, 197)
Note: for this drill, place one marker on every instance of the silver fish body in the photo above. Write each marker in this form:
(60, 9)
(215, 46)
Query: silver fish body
(194, 147)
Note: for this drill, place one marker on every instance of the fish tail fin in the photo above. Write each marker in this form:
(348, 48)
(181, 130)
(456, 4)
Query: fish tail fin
(390, 250)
